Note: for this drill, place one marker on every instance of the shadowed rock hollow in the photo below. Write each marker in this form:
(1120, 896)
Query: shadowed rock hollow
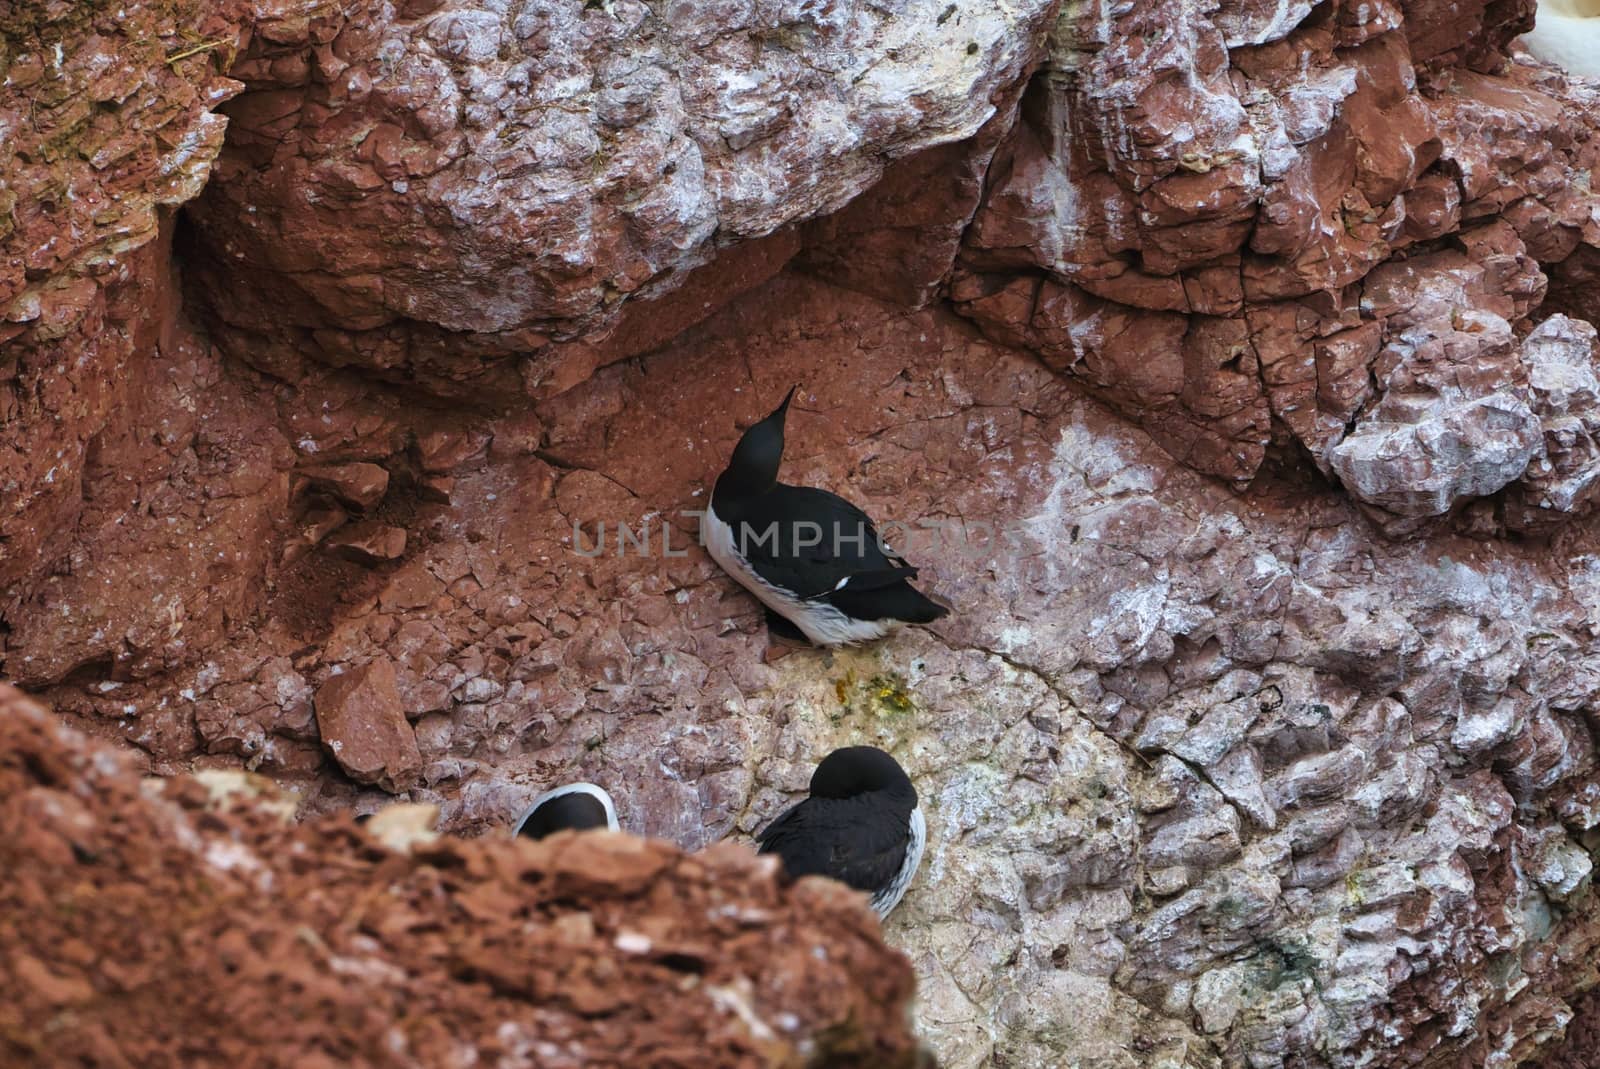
(1232, 368)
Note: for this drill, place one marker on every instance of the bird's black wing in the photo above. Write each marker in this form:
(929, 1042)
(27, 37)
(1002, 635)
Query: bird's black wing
(815, 544)
(852, 840)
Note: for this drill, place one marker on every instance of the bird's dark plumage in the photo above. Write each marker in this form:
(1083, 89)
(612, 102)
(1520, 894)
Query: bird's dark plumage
(807, 554)
(574, 807)
(861, 826)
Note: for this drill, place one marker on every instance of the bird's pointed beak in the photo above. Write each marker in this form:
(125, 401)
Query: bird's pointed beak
(784, 408)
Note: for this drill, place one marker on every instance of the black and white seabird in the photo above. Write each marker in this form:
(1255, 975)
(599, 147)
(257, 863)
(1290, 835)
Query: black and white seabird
(812, 558)
(574, 807)
(1566, 33)
(862, 826)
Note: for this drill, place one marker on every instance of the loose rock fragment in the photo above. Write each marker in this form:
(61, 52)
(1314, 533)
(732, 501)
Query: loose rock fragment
(358, 485)
(401, 827)
(436, 488)
(363, 725)
(442, 451)
(315, 526)
(228, 787)
(370, 542)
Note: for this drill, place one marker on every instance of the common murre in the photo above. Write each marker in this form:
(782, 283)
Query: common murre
(862, 826)
(1567, 34)
(812, 558)
(575, 807)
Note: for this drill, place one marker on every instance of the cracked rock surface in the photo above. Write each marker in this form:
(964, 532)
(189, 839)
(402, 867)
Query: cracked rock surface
(1231, 369)
(1322, 229)
(1209, 774)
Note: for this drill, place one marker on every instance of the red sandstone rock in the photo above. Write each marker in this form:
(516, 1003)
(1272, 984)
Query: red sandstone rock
(1293, 771)
(315, 525)
(1563, 360)
(360, 720)
(648, 322)
(898, 241)
(360, 486)
(1344, 140)
(439, 451)
(413, 587)
(318, 524)
(108, 125)
(1580, 1047)
(369, 542)
(436, 488)
(552, 199)
(163, 920)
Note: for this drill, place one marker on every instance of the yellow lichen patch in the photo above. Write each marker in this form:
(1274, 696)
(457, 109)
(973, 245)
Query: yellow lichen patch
(843, 685)
(889, 695)
(847, 697)
(880, 694)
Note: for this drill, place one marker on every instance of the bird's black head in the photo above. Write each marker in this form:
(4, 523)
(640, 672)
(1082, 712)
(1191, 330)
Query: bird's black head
(857, 770)
(754, 466)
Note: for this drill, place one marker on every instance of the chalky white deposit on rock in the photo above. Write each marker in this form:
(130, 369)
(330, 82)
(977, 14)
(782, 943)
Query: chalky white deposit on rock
(529, 165)
(1562, 357)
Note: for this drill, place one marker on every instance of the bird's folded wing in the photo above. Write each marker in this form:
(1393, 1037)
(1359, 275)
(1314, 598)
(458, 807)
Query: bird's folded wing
(822, 545)
(876, 579)
(843, 838)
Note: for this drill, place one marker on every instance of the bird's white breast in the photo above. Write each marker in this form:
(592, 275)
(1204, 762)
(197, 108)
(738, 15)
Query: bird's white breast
(1567, 34)
(885, 901)
(823, 624)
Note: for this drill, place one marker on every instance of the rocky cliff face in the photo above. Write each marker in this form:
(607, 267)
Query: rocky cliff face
(1231, 368)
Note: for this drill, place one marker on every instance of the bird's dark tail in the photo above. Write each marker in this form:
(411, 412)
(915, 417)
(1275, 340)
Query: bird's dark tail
(898, 601)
